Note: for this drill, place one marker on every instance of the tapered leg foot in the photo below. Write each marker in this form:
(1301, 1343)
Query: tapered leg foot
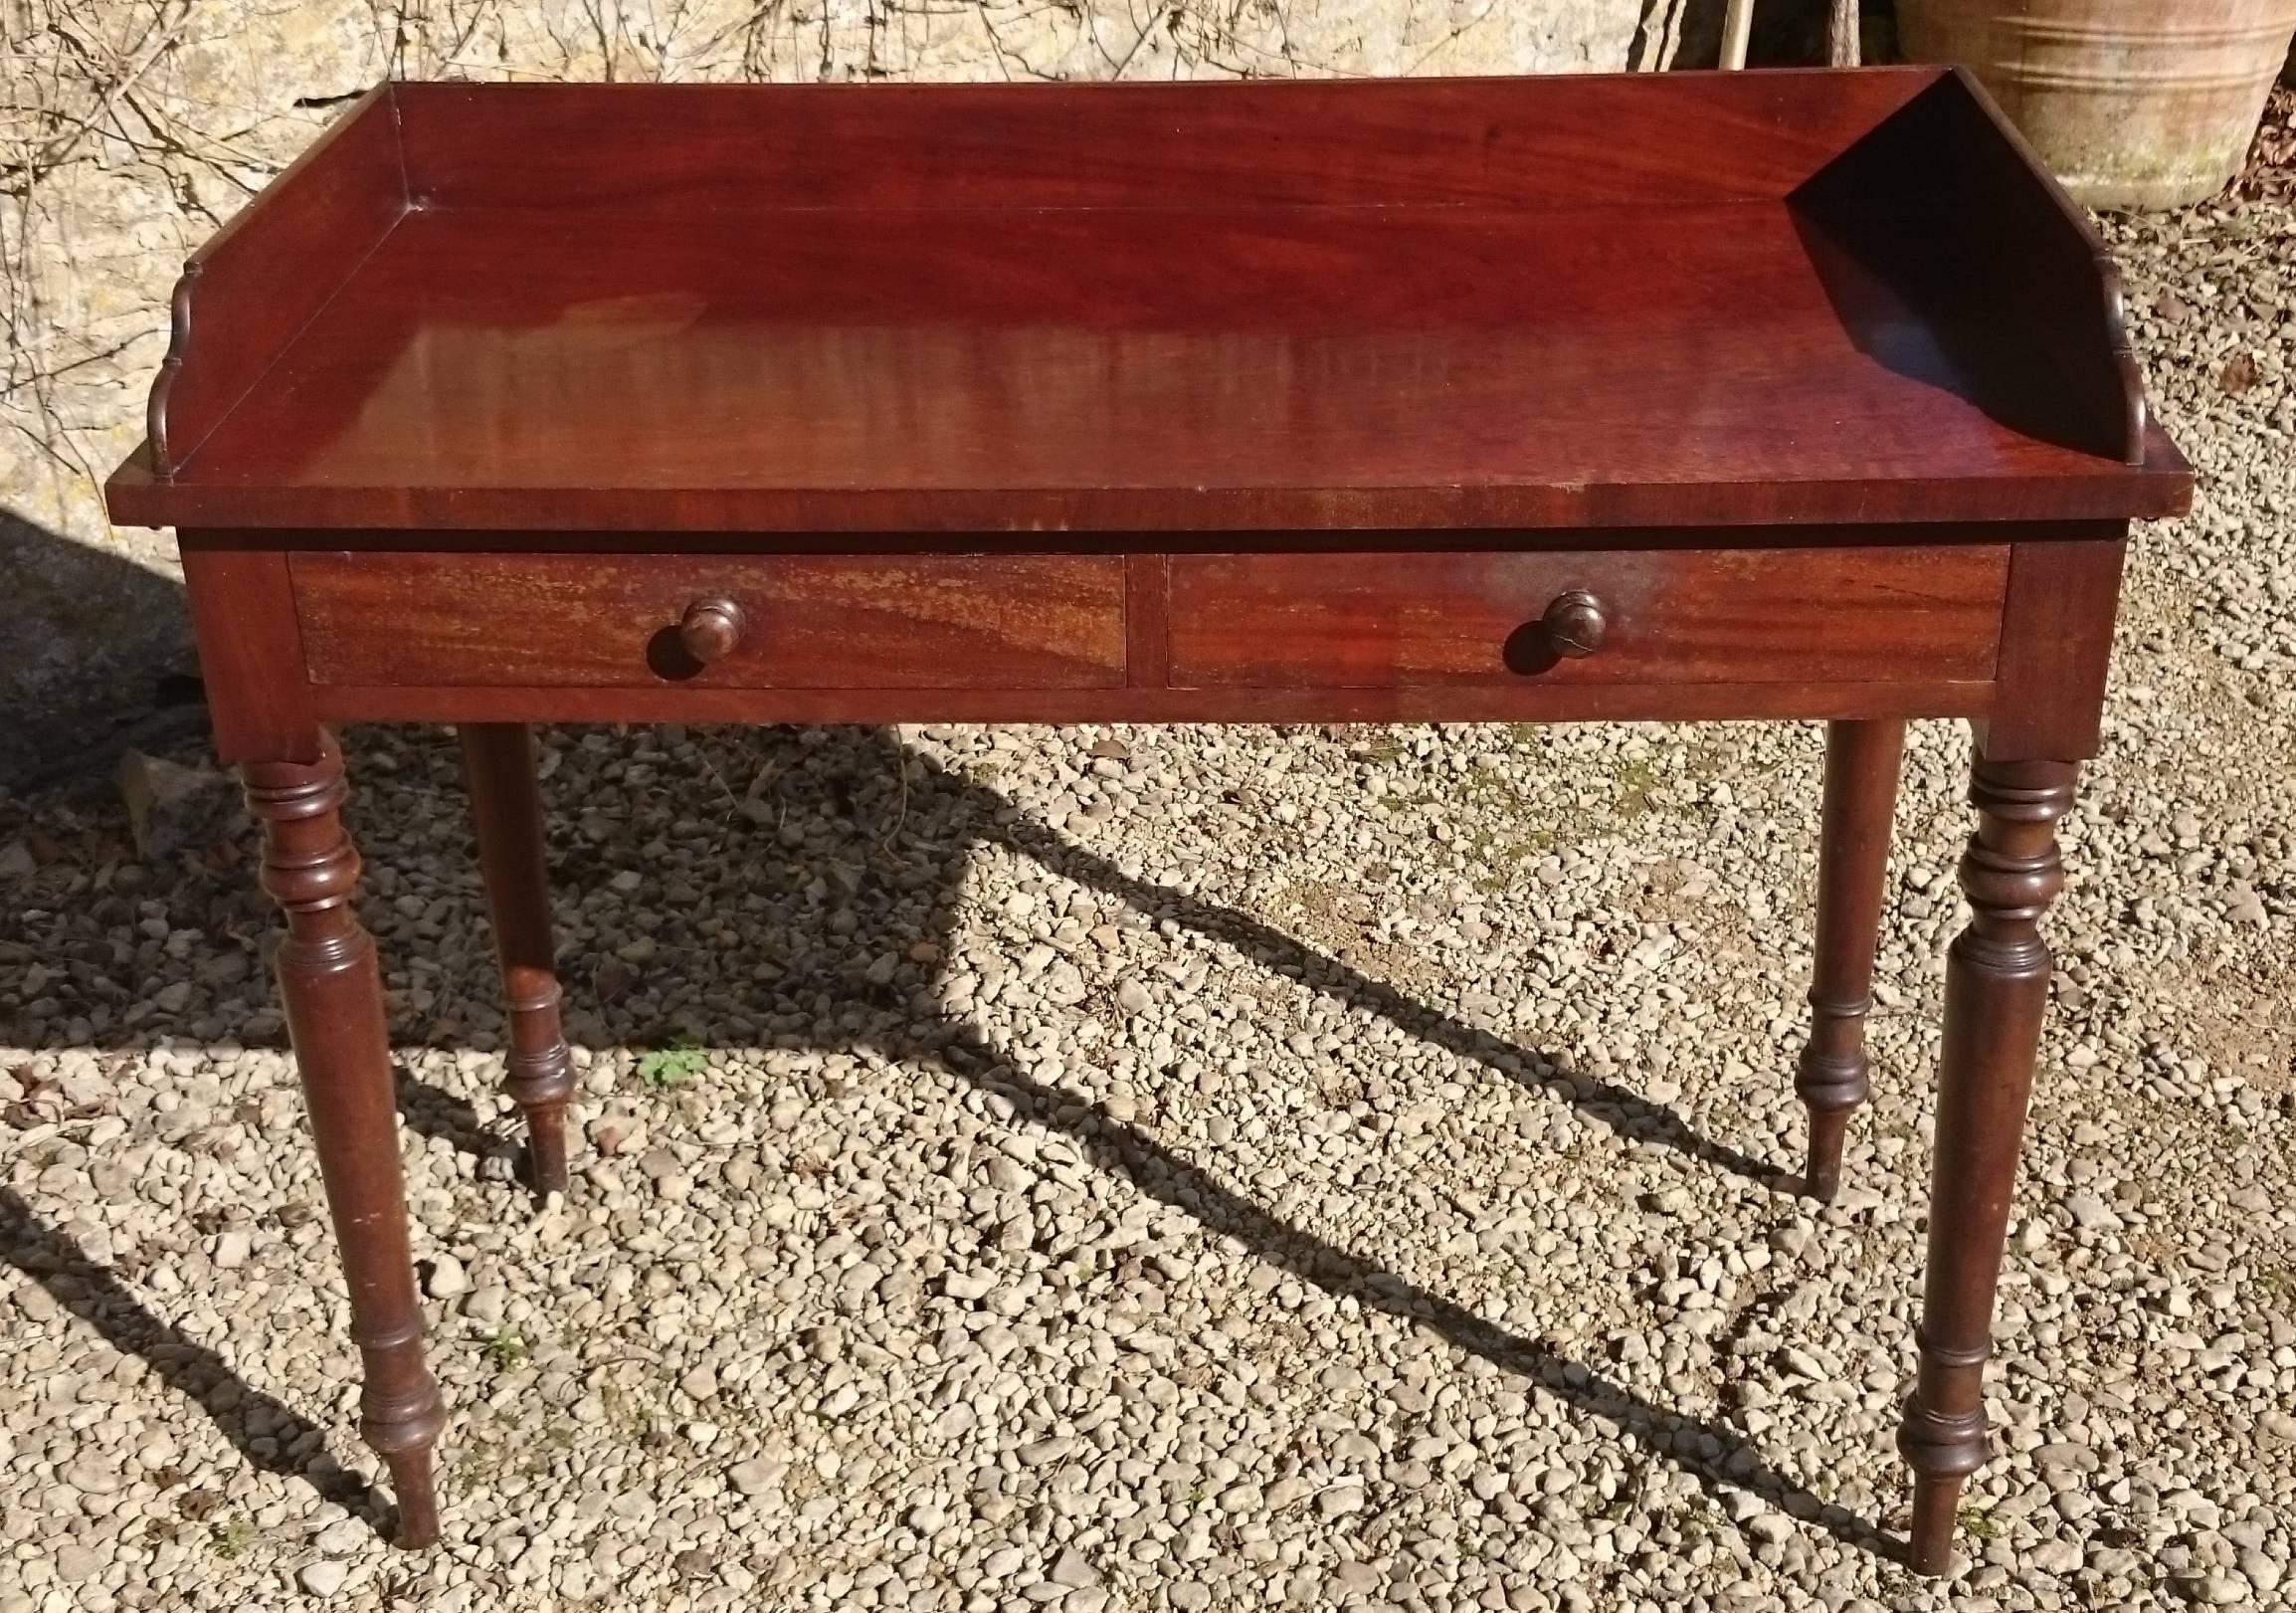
(332, 991)
(1996, 987)
(413, 1483)
(1861, 766)
(506, 813)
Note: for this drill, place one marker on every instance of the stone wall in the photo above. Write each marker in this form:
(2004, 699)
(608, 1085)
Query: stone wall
(132, 128)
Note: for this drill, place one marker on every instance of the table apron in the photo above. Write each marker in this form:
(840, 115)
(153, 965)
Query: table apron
(1617, 702)
(2008, 627)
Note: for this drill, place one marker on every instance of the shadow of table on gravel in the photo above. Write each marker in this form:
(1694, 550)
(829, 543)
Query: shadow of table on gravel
(876, 869)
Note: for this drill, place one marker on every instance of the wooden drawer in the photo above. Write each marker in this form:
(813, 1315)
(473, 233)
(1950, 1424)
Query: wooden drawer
(1735, 616)
(805, 621)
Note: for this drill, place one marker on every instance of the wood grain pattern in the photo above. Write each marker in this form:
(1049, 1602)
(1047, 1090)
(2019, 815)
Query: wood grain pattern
(811, 621)
(1997, 989)
(1446, 142)
(1890, 224)
(332, 990)
(1185, 307)
(506, 822)
(250, 654)
(1834, 1074)
(247, 292)
(1148, 620)
(1748, 616)
(1527, 700)
(2056, 649)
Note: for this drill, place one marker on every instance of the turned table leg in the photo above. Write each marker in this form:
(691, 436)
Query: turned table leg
(1862, 760)
(506, 812)
(333, 995)
(1996, 987)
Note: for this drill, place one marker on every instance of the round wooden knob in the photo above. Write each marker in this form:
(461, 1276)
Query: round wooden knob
(711, 629)
(1573, 624)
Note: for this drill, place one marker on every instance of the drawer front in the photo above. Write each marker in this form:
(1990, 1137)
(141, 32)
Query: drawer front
(1738, 616)
(766, 621)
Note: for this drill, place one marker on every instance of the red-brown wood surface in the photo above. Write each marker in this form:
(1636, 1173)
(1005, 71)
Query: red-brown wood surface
(507, 823)
(250, 654)
(247, 292)
(2056, 646)
(1745, 615)
(807, 621)
(1890, 224)
(1834, 1075)
(1527, 700)
(332, 991)
(1271, 143)
(1498, 302)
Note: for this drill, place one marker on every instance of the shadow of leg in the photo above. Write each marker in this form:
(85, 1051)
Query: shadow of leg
(433, 1112)
(1715, 1454)
(1604, 1102)
(290, 1444)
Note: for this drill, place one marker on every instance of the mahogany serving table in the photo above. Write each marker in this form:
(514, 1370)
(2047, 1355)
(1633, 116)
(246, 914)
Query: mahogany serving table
(1798, 395)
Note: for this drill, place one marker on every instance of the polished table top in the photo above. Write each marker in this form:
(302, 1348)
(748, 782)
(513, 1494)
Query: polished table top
(1428, 304)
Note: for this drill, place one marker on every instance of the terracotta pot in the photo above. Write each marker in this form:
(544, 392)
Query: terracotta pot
(2133, 103)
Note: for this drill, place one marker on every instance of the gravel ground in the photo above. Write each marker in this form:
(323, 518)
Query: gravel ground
(1108, 1170)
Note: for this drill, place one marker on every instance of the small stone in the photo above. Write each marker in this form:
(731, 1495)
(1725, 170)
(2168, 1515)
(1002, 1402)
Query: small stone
(2261, 1572)
(345, 1537)
(75, 1563)
(1074, 1571)
(2091, 1213)
(756, 1475)
(968, 1284)
(2214, 1591)
(1241, 1497)
(446, 1279)
(693, 1564)
(1772, 1528)
(2054, 1556)
(231, 1249)
(1004, 1562)
(323, 1577)
(94, 1478)
(1340, 1501)
(1132, 997)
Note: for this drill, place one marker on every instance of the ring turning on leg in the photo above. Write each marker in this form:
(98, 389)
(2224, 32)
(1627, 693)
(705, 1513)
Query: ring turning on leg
(1996, 992)
(333, 996)
(1861, 768)
(506, 813)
